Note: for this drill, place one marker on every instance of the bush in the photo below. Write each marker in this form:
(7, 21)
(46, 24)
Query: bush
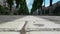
(4, 10)
(1, 8)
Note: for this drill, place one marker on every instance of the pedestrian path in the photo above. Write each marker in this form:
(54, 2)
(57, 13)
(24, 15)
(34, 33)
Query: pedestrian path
(32, 25)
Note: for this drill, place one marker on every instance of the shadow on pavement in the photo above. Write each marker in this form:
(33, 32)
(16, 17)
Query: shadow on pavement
(55, 19)
(4, 19)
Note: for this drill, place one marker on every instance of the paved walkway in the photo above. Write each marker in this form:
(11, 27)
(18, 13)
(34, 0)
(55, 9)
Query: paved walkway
(35, 25)
(55, 19)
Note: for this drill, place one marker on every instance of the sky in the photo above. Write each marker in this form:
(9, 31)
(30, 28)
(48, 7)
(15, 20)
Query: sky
(30, 2)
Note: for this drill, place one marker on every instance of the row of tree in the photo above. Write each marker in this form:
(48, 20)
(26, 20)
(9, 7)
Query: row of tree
(23, 9)
(21, 5)
(37, 5)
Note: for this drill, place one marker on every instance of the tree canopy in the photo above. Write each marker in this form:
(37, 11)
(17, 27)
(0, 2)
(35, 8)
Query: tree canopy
(18, 3)
(36, 5)
(23, 8)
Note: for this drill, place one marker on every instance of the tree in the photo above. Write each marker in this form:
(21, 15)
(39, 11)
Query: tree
(50, 11)
(23, 8)
(18, 3)
(33, 7)
(36, 5)
(4, 10)
(57, 10)
(51, 2)
(1, 9)
(10, 3)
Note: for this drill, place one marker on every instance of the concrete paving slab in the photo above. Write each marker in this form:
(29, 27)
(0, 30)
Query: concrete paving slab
(35, 25)
(55, 19)
(9, 33)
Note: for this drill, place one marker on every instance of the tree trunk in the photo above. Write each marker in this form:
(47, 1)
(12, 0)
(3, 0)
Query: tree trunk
(50, 2)
(50, 9)
(17, 5)
(11, 13)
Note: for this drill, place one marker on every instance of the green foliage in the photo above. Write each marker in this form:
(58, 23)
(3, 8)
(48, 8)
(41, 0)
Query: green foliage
(23, 10)
(57, 10)
(10, 3)
(18, 3)
(20, 11)
(1, 9)
(36, 5)
(4, 10)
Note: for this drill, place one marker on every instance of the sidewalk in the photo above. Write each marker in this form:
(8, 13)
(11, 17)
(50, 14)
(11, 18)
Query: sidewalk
(34, 25)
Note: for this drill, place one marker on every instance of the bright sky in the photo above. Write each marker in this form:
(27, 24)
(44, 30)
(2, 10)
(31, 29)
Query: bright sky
(30, 2)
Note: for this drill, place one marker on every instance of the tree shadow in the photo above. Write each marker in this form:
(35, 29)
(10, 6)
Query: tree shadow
(5, 19)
